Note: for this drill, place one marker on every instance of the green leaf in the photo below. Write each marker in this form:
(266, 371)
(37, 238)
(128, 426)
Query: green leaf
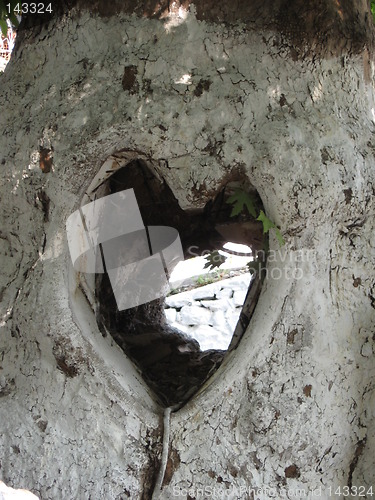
(268, 224)
(279, 237)
(3, 27)
(240, 199)
(214, 259)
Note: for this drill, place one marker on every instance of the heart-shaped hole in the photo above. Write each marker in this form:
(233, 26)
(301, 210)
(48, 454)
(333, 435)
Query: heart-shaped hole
(171, 361)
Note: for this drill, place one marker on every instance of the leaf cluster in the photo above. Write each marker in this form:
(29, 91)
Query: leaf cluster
(241, 199)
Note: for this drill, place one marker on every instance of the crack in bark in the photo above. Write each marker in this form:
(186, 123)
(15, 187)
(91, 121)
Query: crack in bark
(353, 464)
(164, 456)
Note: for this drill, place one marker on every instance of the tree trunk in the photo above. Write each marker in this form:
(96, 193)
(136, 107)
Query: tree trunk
(275, 95)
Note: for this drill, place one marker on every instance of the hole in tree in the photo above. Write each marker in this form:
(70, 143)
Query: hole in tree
(170, 360)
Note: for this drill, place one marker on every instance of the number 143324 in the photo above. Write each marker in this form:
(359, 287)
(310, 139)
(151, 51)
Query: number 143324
(29, 8)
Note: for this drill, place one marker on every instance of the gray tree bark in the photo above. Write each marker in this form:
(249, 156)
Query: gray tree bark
(279, 95)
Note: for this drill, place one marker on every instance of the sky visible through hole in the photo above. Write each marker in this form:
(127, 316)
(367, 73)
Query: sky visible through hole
(195, 266)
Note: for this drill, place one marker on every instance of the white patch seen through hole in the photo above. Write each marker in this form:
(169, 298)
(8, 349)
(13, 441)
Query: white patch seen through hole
(209, 312)
(6, 45)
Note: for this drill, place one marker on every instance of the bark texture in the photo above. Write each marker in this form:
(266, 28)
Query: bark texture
(293, 405)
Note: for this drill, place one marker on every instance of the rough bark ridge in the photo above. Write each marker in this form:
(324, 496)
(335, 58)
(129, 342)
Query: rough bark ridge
(326, 26)
(293, 405)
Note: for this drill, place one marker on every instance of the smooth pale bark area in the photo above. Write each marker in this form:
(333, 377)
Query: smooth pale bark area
(293, 406)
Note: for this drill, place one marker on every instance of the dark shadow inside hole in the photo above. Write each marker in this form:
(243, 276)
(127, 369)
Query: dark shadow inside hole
(171, 362)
